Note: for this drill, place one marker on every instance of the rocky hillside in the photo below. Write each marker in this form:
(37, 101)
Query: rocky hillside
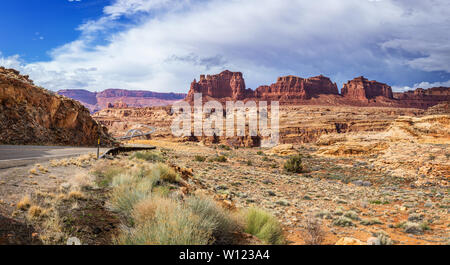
(96, 101)
(33, 115)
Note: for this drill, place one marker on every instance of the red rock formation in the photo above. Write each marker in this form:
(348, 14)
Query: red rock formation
(424, 98)
(32, 115)
(363, 90)
(96, 101)
(292, 88)
(231, 85)
(224, 85)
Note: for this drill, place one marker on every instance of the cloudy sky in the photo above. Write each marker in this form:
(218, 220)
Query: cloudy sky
(162, 45)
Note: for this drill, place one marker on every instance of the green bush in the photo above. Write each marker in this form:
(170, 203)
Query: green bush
(164, 173)
(128, 191)
(221, 159)
(208, 211)
(264, 226)
(148, 156)
(294, 164)
(171, 224)
(200, 158)
(225, 147)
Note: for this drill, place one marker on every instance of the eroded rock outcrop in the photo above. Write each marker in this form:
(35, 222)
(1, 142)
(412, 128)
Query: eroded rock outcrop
(33, 115)
(227, 84)
(424, 98)
(231, 86)
(293, 88)
(362, 89)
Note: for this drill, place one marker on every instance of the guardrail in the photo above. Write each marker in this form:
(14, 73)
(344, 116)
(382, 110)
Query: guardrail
(124, 149)
(137, 133)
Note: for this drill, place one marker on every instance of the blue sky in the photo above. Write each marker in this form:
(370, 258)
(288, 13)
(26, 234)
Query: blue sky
(162, 45)
(31, 28)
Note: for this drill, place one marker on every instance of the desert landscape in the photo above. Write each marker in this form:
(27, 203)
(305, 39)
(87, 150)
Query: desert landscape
(365, 167)
(228, 132)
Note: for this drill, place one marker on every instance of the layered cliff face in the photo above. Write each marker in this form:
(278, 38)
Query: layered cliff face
(362, 89)
(292, 88)
(231, 85)
(33, 115)
(227, 84)
(96, 101)
(424, 98)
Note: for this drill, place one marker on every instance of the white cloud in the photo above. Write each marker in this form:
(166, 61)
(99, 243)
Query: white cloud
(172, 42)
(423, 85)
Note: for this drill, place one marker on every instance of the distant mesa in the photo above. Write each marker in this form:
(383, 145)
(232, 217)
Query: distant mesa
(96, 101)
(318, 90)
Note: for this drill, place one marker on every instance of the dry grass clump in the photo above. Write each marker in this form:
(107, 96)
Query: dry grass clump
(76, 195)
(165, 173)
(52, 232)
(33, 171)
(172, 224)
(41, 168)
(80, 161)
(128, 191)
(36, 211)
(83, 180)
(314, 233)
(264, 226)
(24, 203)
(223, 224)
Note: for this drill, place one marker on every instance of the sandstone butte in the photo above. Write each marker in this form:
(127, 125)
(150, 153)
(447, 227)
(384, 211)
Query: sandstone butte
(33, 115)
(319, 90)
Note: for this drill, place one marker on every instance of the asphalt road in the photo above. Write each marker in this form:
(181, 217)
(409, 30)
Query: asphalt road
(18, 155)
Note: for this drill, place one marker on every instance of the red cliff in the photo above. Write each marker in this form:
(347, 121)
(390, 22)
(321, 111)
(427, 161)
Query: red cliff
(224, 85)
(293, 88)
(363, 90)
(231, 85)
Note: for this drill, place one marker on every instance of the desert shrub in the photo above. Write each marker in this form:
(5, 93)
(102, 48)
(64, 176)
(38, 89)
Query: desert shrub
(373, 221)
(221, 159)
(412, 228)
(323, 214)
(352, 215)
(24, 203)
(225, 147)
(223, 225)
(294, 164)
(264, 226)
(249, 163)
(164, 173)
(172, 224)
(384, 238)
(149, 156)
(260, 153)
(200, 158)
(128, 192)
(343, 221)
(314, 233)
(105, 173)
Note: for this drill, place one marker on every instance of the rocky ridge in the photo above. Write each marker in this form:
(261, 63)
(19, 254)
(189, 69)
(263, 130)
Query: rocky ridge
(32, 115)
